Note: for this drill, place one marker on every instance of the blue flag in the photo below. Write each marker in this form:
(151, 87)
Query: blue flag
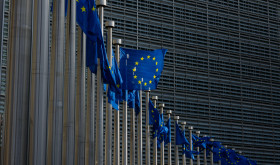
(114, 92)
(180, 137)
(200, 142)
(153, 114)
(162, 131)
(141, 69)
(88, 20)
(167, 138)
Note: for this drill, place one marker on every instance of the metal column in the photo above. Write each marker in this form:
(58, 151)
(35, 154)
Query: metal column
(139, 131)
(155, 98)
(117, 42)
(148, 151)
(198, 155)
(205, 154)
(99, 112)
(211, 154)
(109, 130)
(191, 144)
(161, 106)
(176, 118)
(18, 83)
(132, 136)
(183, 124)
(169, 112)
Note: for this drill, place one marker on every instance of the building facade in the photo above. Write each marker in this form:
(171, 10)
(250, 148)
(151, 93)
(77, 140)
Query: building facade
(222, 69)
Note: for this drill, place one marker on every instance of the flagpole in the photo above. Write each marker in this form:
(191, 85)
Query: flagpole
(71, 97)
(117, 42)
(198, 155)
(132, 136)
(99, 111)
(211, 154)
(124, 132)
(18, 68)
(139, 132)
(176, 118)
(183, 124)
(82, 123)
(169, 112)
(108, 133)
(39, 87)
(205, 154)
(58, 84)
(155, 98)
(162, 143)
(148, 152)
(191, 144)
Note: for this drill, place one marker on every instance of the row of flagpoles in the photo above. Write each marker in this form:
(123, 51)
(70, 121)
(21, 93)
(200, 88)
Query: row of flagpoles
(50, 117)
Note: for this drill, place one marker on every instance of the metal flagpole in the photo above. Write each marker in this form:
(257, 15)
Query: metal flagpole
(39, 84)
(71, 95)
(183, 124)
(148, 152)
(58, 83)
(205, 154)
(169, 112)
(191, 143)
(124, 132)
(155, 98)
(176, 118)
(99, 111)
(117, 42)
(109, 133)
(132, 136)
(198, 155)
(82, 123)
(15, 147)
(139, 132)
(161, 106)
(211, 154)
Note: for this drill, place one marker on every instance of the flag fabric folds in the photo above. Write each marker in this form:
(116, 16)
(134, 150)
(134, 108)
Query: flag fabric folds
(167, 138)
(153, 114)
(88, 20)
(140, 69)
(180, 137)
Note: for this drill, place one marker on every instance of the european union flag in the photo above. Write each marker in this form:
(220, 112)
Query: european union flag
(114, 93)
(180, 137)
(153, 114)
(88, 20)
(141, 69)
(167, 138)
(162, 131)
(200, 142)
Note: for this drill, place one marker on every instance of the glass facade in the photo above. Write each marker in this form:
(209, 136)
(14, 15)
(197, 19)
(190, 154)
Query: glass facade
(222, 69)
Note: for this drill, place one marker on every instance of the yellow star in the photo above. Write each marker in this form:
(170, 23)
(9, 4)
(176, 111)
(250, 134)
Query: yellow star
(136, 63)
(148, 57)
(77, 0)
(152, 111)
(154, 58)
(156, 70)
(134, 69)
(154, 106)
(110, 67)
(118, 85)
(112, 72)
(150, 81)
(93, 8)
(155, 76)
(135, 77)
(142, 58)
(145, 84)
(139, 82)
(156, 63)
(83, 9)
